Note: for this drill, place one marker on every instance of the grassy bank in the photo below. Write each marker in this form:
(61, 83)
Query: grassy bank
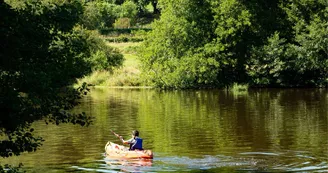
(126, 76)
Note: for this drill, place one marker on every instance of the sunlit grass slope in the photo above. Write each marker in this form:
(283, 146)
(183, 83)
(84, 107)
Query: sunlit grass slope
(127, 75)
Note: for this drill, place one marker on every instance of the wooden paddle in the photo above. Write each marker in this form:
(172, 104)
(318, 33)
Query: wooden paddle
(115, 134)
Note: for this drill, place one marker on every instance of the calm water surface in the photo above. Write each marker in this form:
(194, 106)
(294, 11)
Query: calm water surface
(268, 130)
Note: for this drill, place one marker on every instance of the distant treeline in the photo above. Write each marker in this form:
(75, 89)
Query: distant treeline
(215, 43)
(104, 14)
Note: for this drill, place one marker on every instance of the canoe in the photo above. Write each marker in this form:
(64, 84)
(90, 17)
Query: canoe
(119, 151)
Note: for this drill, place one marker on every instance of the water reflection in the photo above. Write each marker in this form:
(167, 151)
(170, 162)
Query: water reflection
(205, 130)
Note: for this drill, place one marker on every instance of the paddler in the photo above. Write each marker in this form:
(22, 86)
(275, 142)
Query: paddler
(135, 142)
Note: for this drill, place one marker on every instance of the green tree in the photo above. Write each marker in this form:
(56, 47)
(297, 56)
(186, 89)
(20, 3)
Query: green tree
(99, 15)
(129, 10)
(126, 13)
(173, 40)
(307, 58)
(266, 63)
(299, 59)
(41, 55)
(142, 4)
(102, 56)
(219, 42)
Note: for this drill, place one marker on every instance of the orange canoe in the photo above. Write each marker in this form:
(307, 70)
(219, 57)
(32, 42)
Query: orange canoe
(119, 151)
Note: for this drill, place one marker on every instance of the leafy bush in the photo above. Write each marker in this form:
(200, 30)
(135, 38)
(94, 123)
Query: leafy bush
(266, 63)
(124, 39)
(301, 62)
(129, 10)
(118, 31)
(123, 22)
(103, 57)
(99, 15)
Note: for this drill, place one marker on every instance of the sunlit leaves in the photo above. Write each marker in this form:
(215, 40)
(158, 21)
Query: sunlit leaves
(231, 17)
(266, 62)
(167, 53)
(220, 42)
(98, 15)
(41, 57)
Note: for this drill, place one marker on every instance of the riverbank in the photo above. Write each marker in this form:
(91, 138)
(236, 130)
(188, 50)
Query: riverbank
(127, 75)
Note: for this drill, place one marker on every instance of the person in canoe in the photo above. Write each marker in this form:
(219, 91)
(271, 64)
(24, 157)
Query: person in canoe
(135, 142)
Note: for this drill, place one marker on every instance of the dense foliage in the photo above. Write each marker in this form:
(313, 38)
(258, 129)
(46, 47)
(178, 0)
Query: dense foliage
(42, 52)
(98, 15)
(215, 43)
(104, 14)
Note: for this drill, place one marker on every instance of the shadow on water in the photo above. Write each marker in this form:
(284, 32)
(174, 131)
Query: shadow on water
(287, 161)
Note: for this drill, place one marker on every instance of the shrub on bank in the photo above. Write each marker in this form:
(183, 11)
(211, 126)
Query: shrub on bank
(118, 31)
(123, 39)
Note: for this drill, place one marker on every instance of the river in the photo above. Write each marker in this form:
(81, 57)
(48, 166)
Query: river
(260, 130)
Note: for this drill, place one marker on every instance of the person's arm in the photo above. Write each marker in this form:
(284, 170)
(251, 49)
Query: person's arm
(123, 141)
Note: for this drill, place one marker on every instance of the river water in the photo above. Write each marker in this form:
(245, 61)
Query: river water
(260, 130)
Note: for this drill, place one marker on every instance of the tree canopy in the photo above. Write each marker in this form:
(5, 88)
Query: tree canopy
(216, 43)
(42, 53)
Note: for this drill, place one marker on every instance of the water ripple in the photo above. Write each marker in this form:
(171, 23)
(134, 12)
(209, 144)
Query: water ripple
(246, 161)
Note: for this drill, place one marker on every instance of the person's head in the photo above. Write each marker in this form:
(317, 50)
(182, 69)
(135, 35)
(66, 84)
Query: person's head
(135, 133)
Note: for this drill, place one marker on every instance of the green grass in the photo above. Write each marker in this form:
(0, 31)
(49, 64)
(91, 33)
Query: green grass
(129, 52)
(126, 76)
(126, 48)
(239, 87)
(131, 60)
(98, 78)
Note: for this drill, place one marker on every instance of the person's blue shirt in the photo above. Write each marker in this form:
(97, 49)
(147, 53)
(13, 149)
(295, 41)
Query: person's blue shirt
(135, 143)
